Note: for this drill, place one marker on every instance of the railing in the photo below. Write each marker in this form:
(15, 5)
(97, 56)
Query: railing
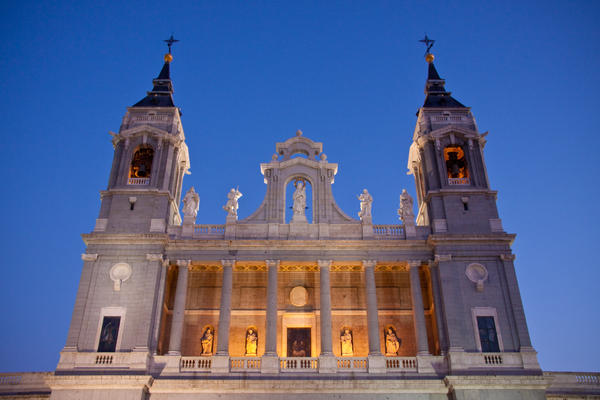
(587, 379)
(352, 363)
(195, 363)
(248, 364)
(458, 181)
(298, 364)
(104, 359)
(388, 231)
(454, 118)
(10, 379)
(401, 363)
(493, 359)
(209, 229)
(138, 181)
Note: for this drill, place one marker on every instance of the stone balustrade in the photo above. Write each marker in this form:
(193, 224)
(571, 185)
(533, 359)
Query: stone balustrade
(246, 364)
(352, 364)
(458, 181)
(298, 364)
(206, 231)
(388, 231)
(116, 360)
(195, 363)
(401, 363)
(138, 181)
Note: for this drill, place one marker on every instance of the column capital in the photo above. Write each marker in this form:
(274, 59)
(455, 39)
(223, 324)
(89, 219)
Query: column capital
(183, 263)
(166, 262)
(89, 257)
(443, 257)
(154, 257)
(324, 263)
(415, 263)
(369, 263)
(508, 257)
(272, 263)
(228, 263)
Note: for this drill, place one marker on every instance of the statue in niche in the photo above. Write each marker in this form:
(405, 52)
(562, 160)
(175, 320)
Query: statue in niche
(366, 200)
(232, 202)
(251, 342)
(207, 341)
(298, 348)
(299, 198)
(406, 208)
(392, 343)
(191, 203)
(346, 342)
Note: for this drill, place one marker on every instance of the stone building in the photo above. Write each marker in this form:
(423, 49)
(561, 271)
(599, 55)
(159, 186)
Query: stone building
(309, 305)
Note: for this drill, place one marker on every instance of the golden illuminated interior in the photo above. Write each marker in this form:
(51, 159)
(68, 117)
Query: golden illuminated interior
(456, 164)
(141, 164)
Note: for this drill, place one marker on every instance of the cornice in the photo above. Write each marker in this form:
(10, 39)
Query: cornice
(458, 239)
(299, 245)
(461, 191)
(96, 238)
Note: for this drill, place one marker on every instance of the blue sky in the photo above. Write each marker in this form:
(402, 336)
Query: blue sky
(349, 74)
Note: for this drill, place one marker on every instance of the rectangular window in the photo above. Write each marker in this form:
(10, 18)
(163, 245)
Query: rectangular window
(109, 334)
(487, 334)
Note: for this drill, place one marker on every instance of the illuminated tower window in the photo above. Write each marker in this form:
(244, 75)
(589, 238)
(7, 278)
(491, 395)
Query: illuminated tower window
(141, 165)
(456, 166)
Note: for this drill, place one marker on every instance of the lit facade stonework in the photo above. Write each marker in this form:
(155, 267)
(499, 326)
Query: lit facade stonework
(317, 305)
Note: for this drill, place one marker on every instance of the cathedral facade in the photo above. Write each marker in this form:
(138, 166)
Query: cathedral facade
(299, 300)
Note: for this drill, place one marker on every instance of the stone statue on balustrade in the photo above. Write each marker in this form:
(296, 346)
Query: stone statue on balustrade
(251, 342)
(299, 206)
(406, 213)
(406, 208)
(346, 343)
(207, 342)
(366, 200)
(232, 203)
(191, 203)
(392, 343)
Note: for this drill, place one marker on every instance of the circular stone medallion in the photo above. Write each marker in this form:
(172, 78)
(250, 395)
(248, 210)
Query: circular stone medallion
(299, 296)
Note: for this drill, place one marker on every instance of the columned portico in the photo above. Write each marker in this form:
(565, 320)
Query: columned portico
(179, 308)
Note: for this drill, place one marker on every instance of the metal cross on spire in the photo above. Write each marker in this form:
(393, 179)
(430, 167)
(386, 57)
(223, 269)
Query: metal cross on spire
(428, 42)
(170, 42)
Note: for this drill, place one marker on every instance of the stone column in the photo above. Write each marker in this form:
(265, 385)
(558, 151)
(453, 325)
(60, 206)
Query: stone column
(372, 313)
(179, 308)
(376, 359)
(327, 362)
(418, 311)
(325, 292)
(270, 361)
(221, 359)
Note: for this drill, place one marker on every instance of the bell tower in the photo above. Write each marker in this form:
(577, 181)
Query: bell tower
(150, 159)
(446, 159)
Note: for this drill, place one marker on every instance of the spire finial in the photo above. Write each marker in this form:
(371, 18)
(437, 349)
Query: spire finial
(429, 43)
(170, 41)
